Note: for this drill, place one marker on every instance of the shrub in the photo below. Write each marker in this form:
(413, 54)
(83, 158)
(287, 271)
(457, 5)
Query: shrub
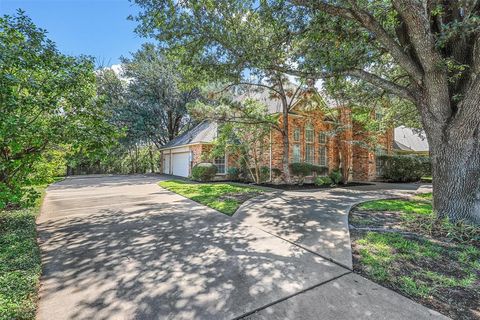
(276, 172)
(323, 181)
(405, 168)
(319, 170)
(336, 176)
(233, 173)
(204, 171)
(301, 169)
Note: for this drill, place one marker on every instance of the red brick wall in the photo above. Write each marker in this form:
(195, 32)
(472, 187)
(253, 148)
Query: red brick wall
(316, 119)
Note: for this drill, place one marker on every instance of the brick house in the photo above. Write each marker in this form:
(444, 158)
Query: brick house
(310, 140)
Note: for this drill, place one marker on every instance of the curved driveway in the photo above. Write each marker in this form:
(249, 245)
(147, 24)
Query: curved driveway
(120, 247)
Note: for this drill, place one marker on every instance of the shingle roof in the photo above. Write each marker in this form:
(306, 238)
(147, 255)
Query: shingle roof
(407, 139)
(274, 105)
(204, 132)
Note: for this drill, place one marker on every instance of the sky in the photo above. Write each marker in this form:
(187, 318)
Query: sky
(98, 28)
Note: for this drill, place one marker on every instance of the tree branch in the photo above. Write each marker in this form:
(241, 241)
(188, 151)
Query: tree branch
(384, 84)
(367, 21)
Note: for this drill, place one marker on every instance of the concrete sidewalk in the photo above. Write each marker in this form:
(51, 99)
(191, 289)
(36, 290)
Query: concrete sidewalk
(120, 247)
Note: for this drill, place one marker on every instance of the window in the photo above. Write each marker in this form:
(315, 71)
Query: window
(220, 163)
(322, 138)
(323, 156)
(296, 134)
(309, 153)
(309, 133)
(296, 153)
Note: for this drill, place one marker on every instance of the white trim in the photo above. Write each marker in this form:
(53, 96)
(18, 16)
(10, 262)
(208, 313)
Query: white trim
(184, 145)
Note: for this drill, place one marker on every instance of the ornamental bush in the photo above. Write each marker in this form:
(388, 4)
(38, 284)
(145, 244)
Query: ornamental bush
(323, 181)
(405, 168)
(233, 173)
(204, 171)
(336, 176)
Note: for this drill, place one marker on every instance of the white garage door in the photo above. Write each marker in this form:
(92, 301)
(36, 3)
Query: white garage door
(166, 163)
(181, 164)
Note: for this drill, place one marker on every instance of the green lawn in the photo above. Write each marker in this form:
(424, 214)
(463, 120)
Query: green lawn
(432, 261)
(20, 267)
(224, 197)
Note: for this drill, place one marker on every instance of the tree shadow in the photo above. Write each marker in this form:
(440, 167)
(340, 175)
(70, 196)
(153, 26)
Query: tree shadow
(316, 220)
(164, 261)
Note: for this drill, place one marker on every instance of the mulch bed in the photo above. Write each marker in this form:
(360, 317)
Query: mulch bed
(307, 186)
(454, 301)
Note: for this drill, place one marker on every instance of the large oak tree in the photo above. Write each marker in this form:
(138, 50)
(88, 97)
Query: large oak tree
(425, 52)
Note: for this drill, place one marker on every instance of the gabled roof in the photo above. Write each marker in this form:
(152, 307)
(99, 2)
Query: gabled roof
(407, 139)
(204, 132)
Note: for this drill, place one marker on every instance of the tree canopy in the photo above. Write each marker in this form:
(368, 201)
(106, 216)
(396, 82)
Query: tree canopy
(46, 99)
(424, 52)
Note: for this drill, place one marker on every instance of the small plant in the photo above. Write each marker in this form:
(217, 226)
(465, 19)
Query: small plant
(233, 173)
(323, 181)
(204, 171)
(336, 176)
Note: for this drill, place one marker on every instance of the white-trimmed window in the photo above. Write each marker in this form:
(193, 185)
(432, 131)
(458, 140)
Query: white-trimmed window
(309, 153)
(296, 134)
(323, 156)
(309, 134)
(296, 156)
(322, 138)
(220, 163)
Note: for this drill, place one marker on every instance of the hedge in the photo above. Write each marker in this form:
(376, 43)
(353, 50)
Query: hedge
(405, 168)
(303, 169)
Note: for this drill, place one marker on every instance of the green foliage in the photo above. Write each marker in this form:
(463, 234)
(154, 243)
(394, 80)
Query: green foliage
(405, 168)
(204, 171)
(244, 139)
(301, 169)
(336, 176)
(323, 181)
(20, 266)
(52, 164)
(233, 173)
(223, 197)
(47, 99)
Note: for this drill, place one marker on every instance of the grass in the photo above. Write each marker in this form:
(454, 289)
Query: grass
(224, 197)
(20, 266)
(435, 262)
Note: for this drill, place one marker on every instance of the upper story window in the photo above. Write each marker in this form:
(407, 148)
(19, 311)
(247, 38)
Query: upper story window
(322, 138)
(296, 134)
(309, 134)
(220, 163)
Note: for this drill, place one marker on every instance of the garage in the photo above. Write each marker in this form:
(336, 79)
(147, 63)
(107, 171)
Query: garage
(181, 164)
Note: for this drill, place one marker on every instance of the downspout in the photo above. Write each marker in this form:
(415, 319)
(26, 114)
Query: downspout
(270, 155)
(170, 169)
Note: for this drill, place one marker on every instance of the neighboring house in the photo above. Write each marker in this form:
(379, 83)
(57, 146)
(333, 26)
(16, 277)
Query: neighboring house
(410, 141)
(310, 141)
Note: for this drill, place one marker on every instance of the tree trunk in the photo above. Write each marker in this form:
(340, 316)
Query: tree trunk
(286, 145)
(456, 174)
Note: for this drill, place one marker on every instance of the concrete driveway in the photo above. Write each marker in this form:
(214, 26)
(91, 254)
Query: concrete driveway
(120, 247)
